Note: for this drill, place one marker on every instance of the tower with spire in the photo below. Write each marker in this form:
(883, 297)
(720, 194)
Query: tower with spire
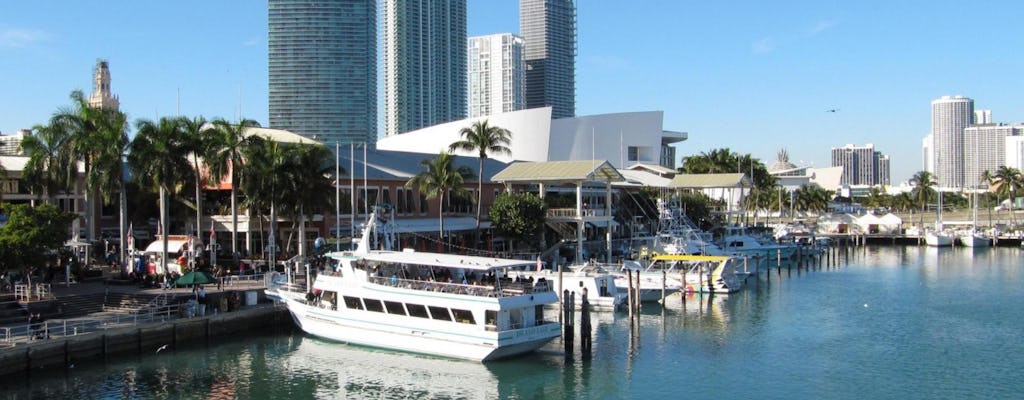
(101, 96)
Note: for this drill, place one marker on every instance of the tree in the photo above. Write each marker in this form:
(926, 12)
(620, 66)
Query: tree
(924, 186)
(1006, 181)
(50, 168)
(518, 216)
(484, 139)
(225, 154)
(311, 187)
(32, 235)
(267, 173)
(196, 133)
(157, 158)
(439, 176)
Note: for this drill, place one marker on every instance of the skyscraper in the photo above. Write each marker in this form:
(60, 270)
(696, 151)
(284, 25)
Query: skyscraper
(549, 30)
(323, 68)
(861, 165)
(985, 150)
(497, 82)
(950, 115)
(424, 63)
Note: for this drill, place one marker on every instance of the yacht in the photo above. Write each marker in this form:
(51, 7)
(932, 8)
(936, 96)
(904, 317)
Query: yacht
(717, 274)
(937, 238)
(738, 242)
(439, 304)
(974, 239)
(603, 292)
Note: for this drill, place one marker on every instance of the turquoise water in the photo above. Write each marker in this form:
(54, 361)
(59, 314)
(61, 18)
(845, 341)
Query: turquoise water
(895, 322)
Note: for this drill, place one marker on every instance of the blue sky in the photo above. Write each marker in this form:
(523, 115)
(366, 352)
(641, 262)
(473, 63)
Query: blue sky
(752, 76)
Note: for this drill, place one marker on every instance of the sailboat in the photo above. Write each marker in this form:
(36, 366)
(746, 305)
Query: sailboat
(938, 237)
(973, 238)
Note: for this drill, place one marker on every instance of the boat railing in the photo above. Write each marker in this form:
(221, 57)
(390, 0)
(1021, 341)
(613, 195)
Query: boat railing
(504, 289)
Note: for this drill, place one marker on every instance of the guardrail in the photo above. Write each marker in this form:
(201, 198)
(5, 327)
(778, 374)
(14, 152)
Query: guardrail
(10, 336)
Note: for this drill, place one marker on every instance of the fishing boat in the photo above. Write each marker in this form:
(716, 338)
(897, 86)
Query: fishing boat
(603, 292)
(655, 283)
(438, 304)
(717, 274)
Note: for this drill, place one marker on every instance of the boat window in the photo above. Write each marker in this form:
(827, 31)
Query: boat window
(394, 307)
(463, 316)
(417, 310)
(491, 319)
(440, 313)
(373, 305)
(538, 313)
(353, 303)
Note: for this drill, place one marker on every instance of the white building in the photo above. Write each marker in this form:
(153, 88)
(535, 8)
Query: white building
(950, 115)
(624, 139)
(985, 149)
(1015, 152)
(982, 117)
(496, 71)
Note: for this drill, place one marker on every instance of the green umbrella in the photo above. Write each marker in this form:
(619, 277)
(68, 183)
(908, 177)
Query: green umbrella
(195, 278)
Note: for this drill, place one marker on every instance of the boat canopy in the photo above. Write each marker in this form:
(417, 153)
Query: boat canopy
(444, 260)
(685, 257)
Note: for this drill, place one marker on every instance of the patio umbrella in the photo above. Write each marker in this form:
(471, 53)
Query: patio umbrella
(195, 278)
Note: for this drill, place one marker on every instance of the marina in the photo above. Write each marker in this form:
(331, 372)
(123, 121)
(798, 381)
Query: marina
(887, 322)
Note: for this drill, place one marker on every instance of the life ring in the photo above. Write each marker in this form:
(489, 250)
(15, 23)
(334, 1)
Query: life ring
(689, 288)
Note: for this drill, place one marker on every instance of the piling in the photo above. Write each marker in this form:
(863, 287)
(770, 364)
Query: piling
(585, 329)
(664, 278)
(636, 297)
(629, 293)
(568, 324)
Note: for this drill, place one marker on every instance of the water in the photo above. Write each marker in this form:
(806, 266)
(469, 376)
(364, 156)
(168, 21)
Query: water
(896, 322)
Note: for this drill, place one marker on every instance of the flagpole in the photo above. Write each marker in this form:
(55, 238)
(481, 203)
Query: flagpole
(337, 196)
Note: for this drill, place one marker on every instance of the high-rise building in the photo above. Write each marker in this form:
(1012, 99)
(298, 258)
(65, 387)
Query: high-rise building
(101, 96)
(497, 82)
(950, 115)
(982, 117)
(549, 30)
(424, 63)
(1015, 152)
(322, 63)
(882, 170)
(985, 149)
(860, 165)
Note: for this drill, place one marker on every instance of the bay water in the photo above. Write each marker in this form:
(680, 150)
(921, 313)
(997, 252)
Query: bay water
(887, 322)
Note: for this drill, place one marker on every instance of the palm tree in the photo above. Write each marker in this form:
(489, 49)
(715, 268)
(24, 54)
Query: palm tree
(1006, 181)
(924, 186)
(49, 169)
(225, 153)
(266, 179)
(197, 133)
(484, 139)
(310, 188)
(157, 158)
(438, 178)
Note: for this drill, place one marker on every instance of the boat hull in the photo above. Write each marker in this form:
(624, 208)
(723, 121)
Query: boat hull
(467, 344)
(974, 241)
(938, 240)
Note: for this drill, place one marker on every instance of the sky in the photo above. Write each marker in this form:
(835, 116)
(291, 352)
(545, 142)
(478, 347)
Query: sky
(752, 76)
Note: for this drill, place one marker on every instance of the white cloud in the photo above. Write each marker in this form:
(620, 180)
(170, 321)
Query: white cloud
(21, 37)
(764, 45)
(821, 26)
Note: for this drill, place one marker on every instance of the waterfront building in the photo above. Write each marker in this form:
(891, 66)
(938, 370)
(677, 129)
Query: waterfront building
(624, 139)
(424, 63)
(1015, 152)
(862, 165)
(549, 29)
(497, 81)
(10, 145)
(985, 149)
(322, 64)
(950, 116)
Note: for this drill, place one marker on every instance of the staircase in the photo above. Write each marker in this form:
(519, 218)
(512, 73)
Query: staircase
(11, 312)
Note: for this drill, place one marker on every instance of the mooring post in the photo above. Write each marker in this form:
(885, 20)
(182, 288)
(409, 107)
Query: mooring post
(585, 330)
(629, 293)
(568, 324)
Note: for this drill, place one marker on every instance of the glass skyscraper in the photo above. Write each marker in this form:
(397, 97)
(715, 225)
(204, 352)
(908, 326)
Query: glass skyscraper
(496, 80)
(322, 65)
(548, 28)
(424, 63)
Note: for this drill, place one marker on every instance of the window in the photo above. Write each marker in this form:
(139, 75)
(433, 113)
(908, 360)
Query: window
(463, 316)
(394, 307)
(386, 196)
(491, 319)
(400, 200)
(417, 310)
(373, 305)
(439, 313)
(353, 303)
(633, 153)
(423, 204)
(409, 205)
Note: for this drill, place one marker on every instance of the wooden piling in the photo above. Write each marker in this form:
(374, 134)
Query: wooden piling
(568, 328)
(585, 328)
(629, 293)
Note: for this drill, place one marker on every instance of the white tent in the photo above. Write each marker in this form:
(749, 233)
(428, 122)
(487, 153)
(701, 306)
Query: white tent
(836, 223)
(890, 223)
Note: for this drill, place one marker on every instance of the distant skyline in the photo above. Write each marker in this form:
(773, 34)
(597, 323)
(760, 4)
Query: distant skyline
(751, 76)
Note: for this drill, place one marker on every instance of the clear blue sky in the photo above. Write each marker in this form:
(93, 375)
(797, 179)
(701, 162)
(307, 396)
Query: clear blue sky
(753, 76)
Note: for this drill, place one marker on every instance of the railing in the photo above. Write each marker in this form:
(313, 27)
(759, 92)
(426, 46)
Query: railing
(25, 293)
(504, 289)
(255, 280)
(571, 213)
(10, 336)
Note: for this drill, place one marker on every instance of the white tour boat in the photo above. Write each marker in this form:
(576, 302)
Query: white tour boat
(430, 303)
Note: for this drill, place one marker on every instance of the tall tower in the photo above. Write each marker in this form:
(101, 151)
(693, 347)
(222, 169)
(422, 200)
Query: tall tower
(101, 96)
(424, 63)
(497, 82)
(950, 116)
(549, 29)
(322, 60)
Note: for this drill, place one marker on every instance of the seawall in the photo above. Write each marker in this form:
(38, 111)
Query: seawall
(138, 340)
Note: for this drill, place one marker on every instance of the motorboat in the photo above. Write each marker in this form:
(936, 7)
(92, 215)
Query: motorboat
(738, 242)
(439, 304)
(717, 274)
(603, 292)
(655, 283)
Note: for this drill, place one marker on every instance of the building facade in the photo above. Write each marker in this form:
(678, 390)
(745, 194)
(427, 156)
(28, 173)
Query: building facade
(496, 72)
(322, 61)
(985, 149)
(424, 63)
(950, 116)
(862, 165)
(101, 96)
(549, 29)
